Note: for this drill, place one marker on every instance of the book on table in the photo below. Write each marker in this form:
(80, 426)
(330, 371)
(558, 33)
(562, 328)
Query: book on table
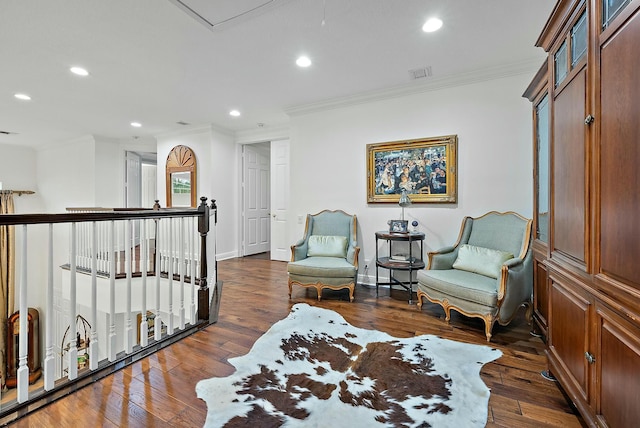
(403, 258)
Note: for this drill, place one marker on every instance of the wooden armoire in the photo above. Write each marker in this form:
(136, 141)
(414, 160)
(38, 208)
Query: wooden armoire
(586, 112)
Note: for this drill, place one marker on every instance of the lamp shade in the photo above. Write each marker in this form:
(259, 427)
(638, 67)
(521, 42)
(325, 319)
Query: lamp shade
(404, 199)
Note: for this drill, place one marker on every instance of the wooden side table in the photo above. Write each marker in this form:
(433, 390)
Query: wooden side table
(400, 261)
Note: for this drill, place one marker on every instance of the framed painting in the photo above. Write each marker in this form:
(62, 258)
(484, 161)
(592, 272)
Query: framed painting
(425, 168)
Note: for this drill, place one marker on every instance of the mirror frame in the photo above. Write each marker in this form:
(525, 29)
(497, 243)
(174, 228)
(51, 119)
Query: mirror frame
(181, 159)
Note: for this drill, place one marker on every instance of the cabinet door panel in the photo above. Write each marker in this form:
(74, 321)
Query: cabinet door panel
(620, 154)
(569, 326)
(619, 362)
(541, 295)
(569, 169)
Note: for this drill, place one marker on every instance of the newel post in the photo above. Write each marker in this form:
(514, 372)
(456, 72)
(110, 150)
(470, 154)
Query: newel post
(203, 290)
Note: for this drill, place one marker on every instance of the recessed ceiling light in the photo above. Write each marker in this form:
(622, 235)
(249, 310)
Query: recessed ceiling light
(432, 24)
(79, 71)
(136, 124)
(234, 113)
(24, 97)
(303, 61)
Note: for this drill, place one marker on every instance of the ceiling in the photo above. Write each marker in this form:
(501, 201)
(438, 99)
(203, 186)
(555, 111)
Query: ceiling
(160, 62)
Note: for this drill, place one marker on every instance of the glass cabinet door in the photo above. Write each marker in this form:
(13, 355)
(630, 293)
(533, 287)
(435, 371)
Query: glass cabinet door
(611, 9)
(561, 65)
(542, 169)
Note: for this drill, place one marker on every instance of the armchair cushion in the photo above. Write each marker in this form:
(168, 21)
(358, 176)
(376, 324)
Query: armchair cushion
(327, 246)
(323, 267)
(484, 261)
(462, 284)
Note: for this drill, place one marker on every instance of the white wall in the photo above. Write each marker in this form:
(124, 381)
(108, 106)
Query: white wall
(18, 172)
(65, 174)
(108, 173)
(493, 124)
(86, 172)
(216, 161)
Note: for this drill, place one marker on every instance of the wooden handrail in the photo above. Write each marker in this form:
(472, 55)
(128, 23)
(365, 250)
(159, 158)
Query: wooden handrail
(14, 219)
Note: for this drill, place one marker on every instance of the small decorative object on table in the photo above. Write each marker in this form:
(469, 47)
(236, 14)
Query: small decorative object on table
(402, 257)
(398, 226)
(414, 223)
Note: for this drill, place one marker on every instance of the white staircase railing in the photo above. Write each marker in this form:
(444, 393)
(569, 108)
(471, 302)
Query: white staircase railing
(134, 279)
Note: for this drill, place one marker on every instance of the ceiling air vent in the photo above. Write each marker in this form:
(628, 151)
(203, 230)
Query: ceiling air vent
(420, 73)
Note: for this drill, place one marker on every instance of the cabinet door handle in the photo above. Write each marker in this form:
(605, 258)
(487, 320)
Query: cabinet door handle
(590, 358)
(589, 120)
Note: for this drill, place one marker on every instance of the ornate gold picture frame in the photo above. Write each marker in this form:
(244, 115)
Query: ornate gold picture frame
(426, 168)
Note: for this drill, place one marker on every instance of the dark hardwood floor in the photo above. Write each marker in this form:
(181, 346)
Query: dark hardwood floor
(160, 389)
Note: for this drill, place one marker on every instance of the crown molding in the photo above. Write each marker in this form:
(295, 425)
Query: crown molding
(258, 135)
(221, 130)
(187, 130)
(491, 73)
(87, 138)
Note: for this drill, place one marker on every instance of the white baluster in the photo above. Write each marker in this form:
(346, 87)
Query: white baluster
(128, 330)
(23, 369)
(85, 245)
(78, 244)
(121, 267)
(73, 349)
(157, 323)
(93, 343)
(112, 292)
(49, 359)
(165, 238)
(182, 266)
(170, 311)
(102, 266)
(144, 252)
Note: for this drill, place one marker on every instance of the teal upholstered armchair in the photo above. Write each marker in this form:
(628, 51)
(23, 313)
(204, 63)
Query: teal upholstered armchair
(327, 255)
(487, 274)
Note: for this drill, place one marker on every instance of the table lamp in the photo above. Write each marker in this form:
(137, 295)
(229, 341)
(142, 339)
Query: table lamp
(404, 201)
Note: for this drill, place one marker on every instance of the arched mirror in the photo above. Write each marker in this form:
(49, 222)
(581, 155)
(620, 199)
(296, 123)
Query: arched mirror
(181, 177)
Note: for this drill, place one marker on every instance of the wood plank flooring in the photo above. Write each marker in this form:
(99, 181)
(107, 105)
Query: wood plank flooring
(159, 391)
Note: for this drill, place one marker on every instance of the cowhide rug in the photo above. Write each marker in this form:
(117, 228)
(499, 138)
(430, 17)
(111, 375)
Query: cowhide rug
(313, 369)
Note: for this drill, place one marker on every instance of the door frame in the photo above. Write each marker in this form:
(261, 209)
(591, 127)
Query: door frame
(274, 135)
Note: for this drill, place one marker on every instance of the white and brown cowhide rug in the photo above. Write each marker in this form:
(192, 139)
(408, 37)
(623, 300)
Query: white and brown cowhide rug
(313, 369)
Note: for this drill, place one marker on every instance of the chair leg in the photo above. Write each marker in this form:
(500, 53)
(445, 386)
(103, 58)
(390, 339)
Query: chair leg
(290, 289)
(529, 313)
(447, 310)
(488, 326)
(351, 290)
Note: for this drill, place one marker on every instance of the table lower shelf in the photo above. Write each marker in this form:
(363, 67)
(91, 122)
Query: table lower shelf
(391, 265)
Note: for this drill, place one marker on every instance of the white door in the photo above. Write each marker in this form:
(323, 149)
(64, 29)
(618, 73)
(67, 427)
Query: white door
(149, 180)
(133, 182)
(280, 245)
(256, 201)
(133, 190)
